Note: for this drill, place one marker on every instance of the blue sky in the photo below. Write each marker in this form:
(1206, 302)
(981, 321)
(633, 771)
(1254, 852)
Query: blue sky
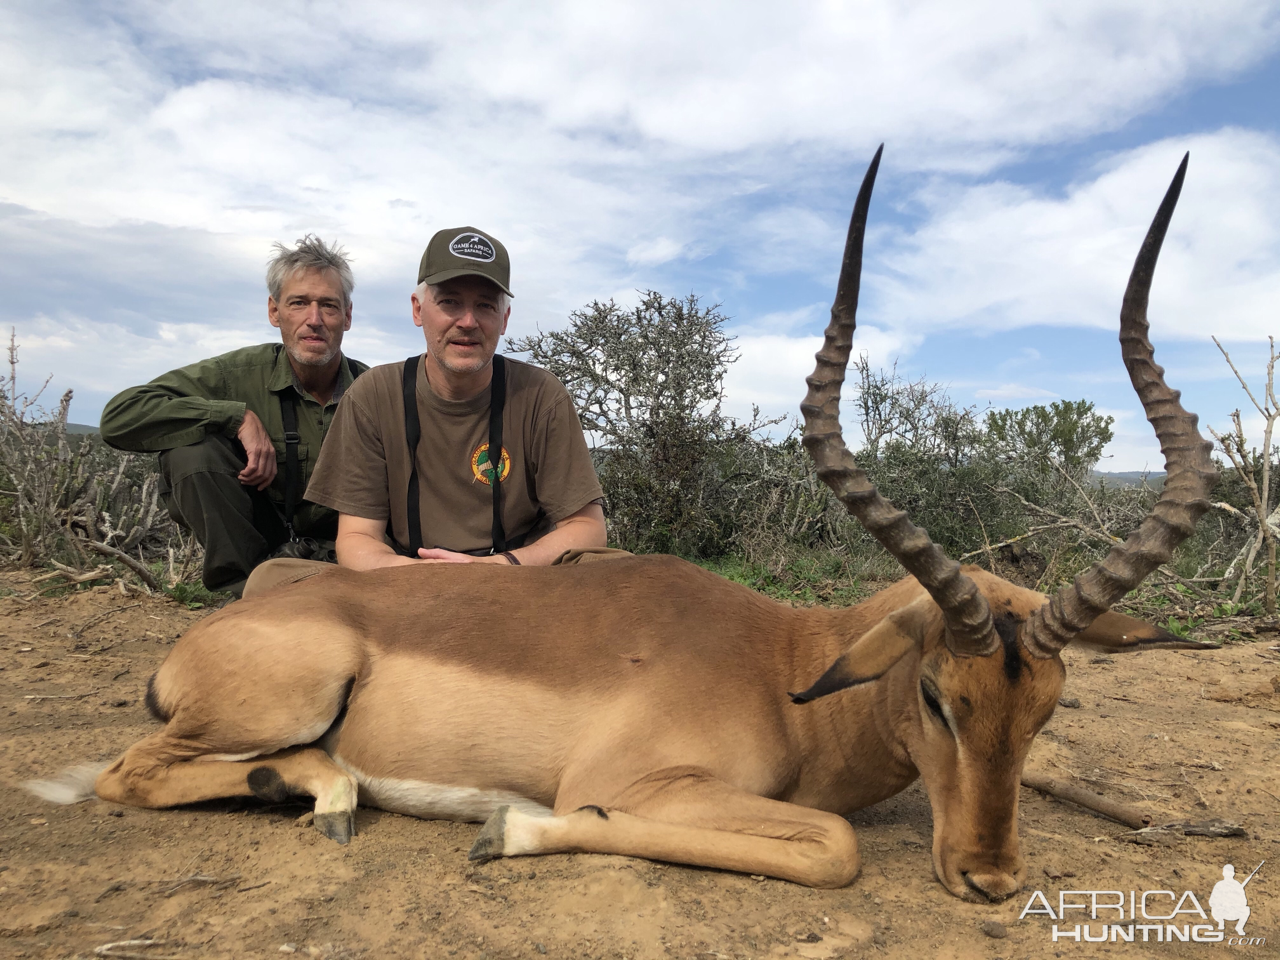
(154, 151)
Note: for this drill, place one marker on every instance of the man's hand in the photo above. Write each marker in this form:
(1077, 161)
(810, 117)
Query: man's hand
(440, 555)
(253, 436)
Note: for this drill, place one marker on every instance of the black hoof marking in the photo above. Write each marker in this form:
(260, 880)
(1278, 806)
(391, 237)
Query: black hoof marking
(268, 785)
(599, 811)
(488, 845)
(339, 826)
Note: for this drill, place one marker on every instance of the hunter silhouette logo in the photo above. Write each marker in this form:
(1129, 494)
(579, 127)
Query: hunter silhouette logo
(472, 246)
(1228, 901)
(482, 469)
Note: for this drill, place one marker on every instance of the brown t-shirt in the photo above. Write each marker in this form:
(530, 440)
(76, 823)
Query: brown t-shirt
(363, 469)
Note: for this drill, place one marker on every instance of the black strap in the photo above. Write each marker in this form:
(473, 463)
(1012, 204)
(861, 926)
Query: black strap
(497, 400)
(292, 478)
(413, 434)
(292, 473)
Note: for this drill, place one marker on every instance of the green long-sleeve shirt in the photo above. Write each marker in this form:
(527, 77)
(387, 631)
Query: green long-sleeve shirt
(185, 405)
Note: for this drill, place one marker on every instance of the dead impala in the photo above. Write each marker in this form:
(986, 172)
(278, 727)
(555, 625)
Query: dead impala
(641, 706)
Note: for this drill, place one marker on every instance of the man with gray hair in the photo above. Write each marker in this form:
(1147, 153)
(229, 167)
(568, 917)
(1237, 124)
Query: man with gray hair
(458, 454)
(238, 434)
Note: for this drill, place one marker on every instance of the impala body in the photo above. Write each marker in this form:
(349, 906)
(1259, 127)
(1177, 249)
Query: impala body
(643, 706)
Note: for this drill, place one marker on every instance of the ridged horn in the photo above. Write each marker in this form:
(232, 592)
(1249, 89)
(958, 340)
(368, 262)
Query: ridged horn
(965, 609)
(1190, 472)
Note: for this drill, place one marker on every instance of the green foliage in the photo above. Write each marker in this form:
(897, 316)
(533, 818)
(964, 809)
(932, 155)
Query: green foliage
(647, 383)
(1182, 628)
(193, 595)
(805, 577)
(638, 372)
(1068, 433)
(680, 477)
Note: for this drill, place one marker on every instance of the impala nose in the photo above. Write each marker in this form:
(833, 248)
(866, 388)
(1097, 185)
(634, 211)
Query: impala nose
(992, 885)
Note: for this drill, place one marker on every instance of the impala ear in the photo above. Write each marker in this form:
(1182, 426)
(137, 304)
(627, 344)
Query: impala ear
(872, 654)
(1115, 633)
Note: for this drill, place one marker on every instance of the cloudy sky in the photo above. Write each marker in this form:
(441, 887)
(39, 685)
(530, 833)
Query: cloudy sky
(153, 151)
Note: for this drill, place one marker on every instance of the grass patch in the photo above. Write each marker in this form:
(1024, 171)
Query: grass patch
(805, 578)
(194, 595)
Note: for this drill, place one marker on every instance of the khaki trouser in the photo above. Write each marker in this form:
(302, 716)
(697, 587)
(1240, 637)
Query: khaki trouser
(277, 573)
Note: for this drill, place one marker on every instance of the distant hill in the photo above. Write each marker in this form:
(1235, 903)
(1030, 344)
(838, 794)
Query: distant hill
(78, 429)
(1131, 478)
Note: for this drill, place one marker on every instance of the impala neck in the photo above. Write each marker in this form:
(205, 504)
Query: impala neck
(857, 732)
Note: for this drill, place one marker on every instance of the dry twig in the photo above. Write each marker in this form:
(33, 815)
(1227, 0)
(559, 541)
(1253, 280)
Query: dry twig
(218, 882)
(121, 950)
(1112, 809)
(37, 697)
(1234, 446)
(143, 573)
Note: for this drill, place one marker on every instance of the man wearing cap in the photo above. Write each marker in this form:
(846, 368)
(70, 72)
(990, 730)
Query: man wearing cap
(238, 434)
(486, 463)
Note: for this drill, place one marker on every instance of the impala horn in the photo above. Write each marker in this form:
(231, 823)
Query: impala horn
(967, 615)
(1190, 472)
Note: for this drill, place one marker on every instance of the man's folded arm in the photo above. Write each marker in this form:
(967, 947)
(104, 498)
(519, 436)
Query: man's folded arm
(173, 410)
(361, 544)
(583, 530)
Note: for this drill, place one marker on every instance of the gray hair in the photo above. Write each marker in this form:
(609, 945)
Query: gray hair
(309, 253)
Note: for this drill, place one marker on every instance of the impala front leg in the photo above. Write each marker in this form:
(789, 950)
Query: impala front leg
(688, 816)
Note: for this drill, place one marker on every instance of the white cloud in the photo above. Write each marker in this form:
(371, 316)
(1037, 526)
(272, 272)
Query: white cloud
(995, 256)
(653, 252)
(771, 369)
(155, 153)
(1013, 391)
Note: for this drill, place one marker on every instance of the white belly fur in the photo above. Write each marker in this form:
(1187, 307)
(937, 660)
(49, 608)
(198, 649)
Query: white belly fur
(437, 801)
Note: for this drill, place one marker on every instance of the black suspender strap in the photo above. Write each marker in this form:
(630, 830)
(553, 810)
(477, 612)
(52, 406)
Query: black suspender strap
(412, 433)
(292, 478)
(497, 400)
(292, 472)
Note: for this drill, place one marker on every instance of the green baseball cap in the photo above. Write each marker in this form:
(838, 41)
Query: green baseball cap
(463, 252)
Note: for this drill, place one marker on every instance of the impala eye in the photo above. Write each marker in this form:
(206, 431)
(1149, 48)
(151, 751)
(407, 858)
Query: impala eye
(931, 701)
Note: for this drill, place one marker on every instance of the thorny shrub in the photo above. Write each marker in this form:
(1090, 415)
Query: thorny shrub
(59, 491)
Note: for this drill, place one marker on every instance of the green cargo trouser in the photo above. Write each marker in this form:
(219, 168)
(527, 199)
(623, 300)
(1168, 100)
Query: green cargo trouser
(238, 526)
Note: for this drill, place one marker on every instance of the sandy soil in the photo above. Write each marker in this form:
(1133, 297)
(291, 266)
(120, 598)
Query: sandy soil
(1185, 736)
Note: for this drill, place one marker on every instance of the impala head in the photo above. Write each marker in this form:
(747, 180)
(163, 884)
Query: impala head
(981, 654)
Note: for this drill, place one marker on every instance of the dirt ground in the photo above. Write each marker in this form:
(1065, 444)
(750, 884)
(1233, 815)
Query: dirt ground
(1184, 736)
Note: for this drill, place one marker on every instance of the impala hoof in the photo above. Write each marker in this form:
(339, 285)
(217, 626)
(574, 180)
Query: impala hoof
(488, 845)
(339, 826)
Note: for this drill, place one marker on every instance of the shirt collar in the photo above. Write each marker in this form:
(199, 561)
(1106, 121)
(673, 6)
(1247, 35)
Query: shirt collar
(283, 377)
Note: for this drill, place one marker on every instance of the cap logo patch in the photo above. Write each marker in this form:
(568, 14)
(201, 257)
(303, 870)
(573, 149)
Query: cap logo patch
(472, 246)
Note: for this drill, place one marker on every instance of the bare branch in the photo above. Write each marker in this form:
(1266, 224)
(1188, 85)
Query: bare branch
(143, 573)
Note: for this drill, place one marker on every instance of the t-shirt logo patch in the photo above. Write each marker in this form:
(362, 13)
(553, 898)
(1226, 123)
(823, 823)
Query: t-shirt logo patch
(472, 246)
(482, 469)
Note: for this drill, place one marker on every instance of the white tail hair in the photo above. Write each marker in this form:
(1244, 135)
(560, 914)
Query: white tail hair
(71, 786)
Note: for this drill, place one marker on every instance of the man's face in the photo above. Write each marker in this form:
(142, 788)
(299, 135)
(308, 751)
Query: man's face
(463, 319)
(311, 316)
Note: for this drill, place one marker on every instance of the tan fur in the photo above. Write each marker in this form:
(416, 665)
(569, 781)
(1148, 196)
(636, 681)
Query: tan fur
(644, 686)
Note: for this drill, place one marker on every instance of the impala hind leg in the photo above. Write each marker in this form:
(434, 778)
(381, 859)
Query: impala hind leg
(688, 816)
(162, 771)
